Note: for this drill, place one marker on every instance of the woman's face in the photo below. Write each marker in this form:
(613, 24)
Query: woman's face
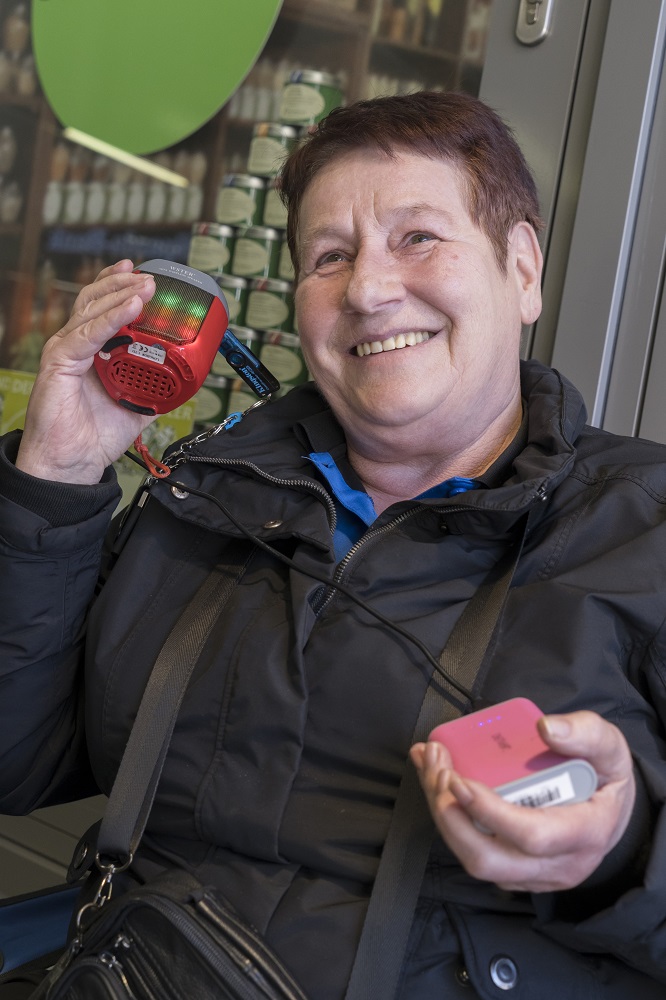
(406, 321)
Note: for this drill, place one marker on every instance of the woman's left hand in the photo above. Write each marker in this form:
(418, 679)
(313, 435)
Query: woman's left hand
(534, 850)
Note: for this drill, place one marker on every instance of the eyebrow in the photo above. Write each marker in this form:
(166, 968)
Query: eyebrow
(404, 211)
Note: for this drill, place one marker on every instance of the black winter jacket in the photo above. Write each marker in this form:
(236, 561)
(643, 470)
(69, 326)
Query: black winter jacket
(294, 732)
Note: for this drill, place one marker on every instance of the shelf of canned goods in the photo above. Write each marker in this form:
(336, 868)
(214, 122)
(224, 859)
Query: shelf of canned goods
(245, 249)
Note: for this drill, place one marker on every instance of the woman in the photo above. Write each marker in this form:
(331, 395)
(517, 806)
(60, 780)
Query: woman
(412, 225)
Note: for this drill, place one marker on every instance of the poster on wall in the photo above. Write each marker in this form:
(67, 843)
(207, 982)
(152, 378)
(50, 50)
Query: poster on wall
(172, 64)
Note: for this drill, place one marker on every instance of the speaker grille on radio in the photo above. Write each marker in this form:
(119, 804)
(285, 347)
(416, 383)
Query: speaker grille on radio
(175, 312)
(135, 378)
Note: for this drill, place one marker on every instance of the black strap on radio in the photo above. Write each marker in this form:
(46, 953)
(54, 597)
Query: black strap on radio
(390, 913)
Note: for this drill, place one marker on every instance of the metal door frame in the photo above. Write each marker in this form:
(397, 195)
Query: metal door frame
(597, 298)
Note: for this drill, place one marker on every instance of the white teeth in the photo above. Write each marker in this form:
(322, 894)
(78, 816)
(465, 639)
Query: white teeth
(392, 343)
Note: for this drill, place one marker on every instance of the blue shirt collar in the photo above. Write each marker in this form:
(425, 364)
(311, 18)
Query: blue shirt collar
(355, 508)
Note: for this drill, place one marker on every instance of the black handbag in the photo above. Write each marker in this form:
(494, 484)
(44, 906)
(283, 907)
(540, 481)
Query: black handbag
(174, 937)
(171, 939)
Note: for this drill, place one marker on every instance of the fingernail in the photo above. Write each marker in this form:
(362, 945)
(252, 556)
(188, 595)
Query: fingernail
(431, 754)
(443, 779)
(416, 754)
(462, 792)
(557, 726)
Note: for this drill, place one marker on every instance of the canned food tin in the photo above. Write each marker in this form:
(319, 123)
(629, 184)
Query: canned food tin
(240, 200)
(211, 247)
(285, 266)
(308, 96)
(281, 353)
(256, 252)
(176, 205)
(95, 206)
(115, 202)
(156, 202)
(135, 203)
(211, 402)
(270, 304)
(269, 146)
(53, 201)
(235, 292)
(250, 338)
(275, 210)
(74, 203)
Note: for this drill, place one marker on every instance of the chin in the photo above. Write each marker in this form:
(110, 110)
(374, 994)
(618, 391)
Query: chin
(390, 415)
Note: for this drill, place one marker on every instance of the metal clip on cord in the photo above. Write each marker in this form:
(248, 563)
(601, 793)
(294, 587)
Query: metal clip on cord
(160, 470)
(84, 919)
(103, 893)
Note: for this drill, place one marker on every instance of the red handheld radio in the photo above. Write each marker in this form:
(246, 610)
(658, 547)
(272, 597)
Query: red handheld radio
(161, 358)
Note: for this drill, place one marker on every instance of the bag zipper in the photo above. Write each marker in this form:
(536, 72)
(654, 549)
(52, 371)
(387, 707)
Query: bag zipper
(110, 976)
(244, 979)
(241, 935)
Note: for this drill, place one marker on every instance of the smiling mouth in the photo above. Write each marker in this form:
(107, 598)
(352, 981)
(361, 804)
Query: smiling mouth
(410, 339)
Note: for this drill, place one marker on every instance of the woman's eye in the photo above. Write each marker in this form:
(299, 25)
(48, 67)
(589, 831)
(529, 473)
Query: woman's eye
(415, 238)
(333, 257)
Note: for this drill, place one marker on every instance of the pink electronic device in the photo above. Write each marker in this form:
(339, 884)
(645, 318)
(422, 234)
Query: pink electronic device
(501, 747)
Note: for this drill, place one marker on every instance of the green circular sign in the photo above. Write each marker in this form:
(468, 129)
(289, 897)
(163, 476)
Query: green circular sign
(143, 74)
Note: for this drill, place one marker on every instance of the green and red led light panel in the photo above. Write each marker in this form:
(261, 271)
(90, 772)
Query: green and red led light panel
(161, 359)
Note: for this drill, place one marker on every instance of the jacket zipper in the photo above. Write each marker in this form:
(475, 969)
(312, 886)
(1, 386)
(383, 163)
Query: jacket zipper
(326, 594)
(309, 485)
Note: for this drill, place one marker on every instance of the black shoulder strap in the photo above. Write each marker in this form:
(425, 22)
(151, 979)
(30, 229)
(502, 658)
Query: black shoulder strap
(381, 950)
(134, 788)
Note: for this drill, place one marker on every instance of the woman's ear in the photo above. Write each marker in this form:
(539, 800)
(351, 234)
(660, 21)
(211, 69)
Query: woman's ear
(525, 263)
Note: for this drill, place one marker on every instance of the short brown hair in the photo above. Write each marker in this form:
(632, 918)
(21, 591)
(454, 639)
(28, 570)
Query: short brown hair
(450, 126)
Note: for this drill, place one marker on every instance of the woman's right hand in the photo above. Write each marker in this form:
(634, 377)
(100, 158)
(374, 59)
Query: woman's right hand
(73, 428)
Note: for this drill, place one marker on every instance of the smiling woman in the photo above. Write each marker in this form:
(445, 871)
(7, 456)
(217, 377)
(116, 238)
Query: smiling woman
(367, 509)
(376, 273)
(413, 228)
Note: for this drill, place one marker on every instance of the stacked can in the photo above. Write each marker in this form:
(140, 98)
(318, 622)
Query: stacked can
(245, 249)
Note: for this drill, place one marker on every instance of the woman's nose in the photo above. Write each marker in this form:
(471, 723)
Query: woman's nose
(375, 283)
